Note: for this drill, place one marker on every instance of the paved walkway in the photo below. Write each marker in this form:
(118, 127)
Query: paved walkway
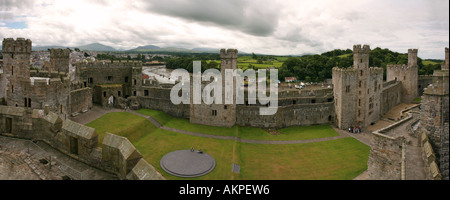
(26, 160)
(415, 166)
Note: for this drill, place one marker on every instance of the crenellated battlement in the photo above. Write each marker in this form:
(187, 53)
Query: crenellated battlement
(375, 70)
(397, 67)
(59, 53)
(412, 51)
(20, 45)
(229, 53)
(345, 70)
(364, 49)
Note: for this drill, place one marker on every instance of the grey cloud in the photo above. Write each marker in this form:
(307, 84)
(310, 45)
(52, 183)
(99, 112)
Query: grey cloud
(244, 16)
(8, 6)
(296, 36)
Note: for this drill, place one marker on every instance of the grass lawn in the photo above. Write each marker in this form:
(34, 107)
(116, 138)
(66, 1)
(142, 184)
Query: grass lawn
(244, 61)
(290, 133)
(341, 159)
(308, 132)
(337, 159)
(121, 123)
(429, 62)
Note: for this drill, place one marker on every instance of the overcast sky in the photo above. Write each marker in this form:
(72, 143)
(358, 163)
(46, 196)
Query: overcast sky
(261, 26)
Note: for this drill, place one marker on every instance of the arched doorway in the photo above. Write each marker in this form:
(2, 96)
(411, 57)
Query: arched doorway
(111, 101)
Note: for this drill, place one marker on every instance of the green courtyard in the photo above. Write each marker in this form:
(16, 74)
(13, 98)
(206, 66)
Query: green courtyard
(340, 159)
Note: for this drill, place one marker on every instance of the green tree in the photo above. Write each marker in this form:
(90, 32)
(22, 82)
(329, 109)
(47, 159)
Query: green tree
(254, 56)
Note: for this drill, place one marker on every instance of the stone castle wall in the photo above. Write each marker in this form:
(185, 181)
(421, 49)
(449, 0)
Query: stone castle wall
(293, 115)
(59, 60)
(390, 96)
(408, 75)
(385, 158)
(35, 89)
(80, 100)
(158, 98)
(117, 79)
(295, 107)
(117, 155)
(345, 96)
(373, 95)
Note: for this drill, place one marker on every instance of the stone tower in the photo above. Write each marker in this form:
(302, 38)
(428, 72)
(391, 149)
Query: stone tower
(407, 74)
(59, 60)
(357, 91)
(434, 116)
(16, 69)
(228, 61)
(218, 114)
(136, 73)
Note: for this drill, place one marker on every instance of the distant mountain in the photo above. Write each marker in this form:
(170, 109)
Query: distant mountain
(96, 47)
(153, 48)
(147, 47)
(88, 47)
(143, 49)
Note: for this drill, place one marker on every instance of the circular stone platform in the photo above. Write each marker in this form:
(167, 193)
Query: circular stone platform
(185, 163)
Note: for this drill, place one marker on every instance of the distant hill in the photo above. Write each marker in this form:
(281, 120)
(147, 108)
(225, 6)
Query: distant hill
(146, 47)
(154, 49)
(88, 47)
(96, 47)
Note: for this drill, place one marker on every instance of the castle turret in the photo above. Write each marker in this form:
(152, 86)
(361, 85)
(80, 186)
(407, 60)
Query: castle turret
(228, 58)
(59, 60)
(16, 69)
(361, 56)
(407, 75)
(16, 57)
(357, 90)
(434, 116)
(216, 114)
(412, 57)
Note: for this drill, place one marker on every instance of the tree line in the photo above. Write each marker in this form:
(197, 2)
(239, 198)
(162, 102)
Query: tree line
(316, 68)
